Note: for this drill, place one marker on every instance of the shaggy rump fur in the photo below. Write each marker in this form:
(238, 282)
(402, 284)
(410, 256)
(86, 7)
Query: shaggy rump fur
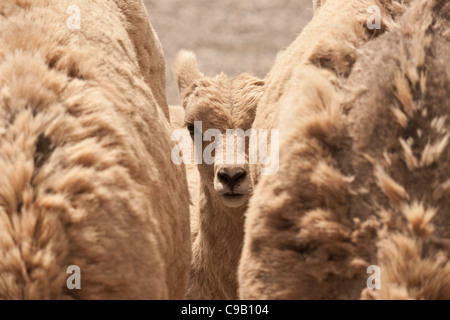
(364, 161)
(86, 177)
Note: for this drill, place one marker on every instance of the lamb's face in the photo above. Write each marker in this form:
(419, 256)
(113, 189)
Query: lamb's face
(213, 107)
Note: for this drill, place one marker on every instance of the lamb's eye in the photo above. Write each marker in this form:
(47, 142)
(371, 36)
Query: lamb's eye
(191, 128)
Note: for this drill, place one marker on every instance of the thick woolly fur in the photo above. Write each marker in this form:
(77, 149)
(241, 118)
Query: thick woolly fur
(364, 159)
(217, 226)
(86, 177)
(177, 121)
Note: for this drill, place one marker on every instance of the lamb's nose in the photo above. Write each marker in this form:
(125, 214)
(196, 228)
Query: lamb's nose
(231, 176)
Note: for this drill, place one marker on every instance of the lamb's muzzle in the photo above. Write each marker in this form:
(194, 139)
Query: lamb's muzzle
(233, 185)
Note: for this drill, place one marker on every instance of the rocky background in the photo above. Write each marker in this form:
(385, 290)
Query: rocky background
(232, 36)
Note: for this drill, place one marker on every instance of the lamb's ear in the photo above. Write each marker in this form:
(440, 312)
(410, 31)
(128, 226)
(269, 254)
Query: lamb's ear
(259, 83)
(317, 4)
(186, 71)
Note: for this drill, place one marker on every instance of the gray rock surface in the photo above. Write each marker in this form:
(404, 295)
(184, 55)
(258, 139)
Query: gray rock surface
(232, 36)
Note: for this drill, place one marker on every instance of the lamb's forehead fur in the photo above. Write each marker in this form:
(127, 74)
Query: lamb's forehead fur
(222, 102)
(230, 99)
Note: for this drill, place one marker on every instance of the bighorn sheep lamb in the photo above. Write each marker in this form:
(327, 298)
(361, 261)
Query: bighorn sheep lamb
(86, 177)
(222, 104)
(364, 159)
